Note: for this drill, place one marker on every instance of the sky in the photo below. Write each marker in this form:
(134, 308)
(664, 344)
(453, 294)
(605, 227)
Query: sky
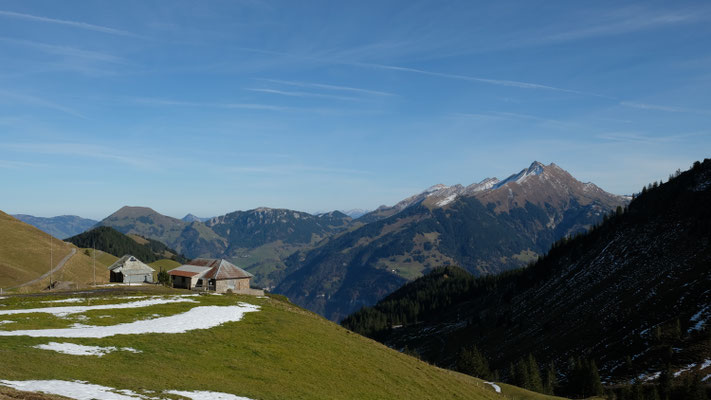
(211, 107)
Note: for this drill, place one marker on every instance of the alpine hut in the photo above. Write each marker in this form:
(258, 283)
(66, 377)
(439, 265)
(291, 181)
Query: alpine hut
(216, 275)
(129, 269)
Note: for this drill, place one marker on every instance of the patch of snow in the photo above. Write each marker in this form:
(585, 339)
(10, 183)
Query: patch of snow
(202, 317)
(705, 364)
(6, 322)
(648, 378)
(80, 350)
(82, 390)
(706, 378)
(698, 319)
(535, 169)
(64, 311)
(123, 284)
(685, 369)
(447, 200)
(75, 390)
(495, 386)
(202, 395)
(485, 184)
(435, 188)
(69, 300)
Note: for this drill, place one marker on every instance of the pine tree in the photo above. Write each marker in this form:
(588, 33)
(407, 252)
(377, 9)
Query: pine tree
(665, 383)
(694, 388)
(593, 378)
(521, 377)
(534, 375)
(472, 362)
(550, 380)
(637, 391)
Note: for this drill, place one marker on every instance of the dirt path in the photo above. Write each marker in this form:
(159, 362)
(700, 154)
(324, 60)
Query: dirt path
(46, 274)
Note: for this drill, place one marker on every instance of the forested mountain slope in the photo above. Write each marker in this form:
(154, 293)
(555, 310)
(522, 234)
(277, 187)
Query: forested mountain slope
(111, 241)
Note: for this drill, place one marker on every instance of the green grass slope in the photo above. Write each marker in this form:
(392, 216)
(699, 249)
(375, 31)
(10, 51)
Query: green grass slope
(25, 251)
(25, 256)
(164, 264)
(278, 352)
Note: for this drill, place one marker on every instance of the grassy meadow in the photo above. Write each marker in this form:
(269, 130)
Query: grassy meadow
(278, 352)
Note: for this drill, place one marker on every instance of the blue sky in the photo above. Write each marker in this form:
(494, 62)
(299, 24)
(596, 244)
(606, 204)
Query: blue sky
(211, 107)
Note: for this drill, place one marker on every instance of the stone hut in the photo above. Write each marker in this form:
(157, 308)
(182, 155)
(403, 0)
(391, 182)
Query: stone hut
(215, 275)
(129, 269)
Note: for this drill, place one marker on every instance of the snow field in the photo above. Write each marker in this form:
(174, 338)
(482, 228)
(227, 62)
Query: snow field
(88, 391)
(80, 350)
(68, 310)
(201, 317)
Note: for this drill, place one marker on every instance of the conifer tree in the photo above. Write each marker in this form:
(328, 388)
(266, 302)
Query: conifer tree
(593, 379)
(534, 375)
(550, 380)
(665, 383)
(472, 362)
(521, 377)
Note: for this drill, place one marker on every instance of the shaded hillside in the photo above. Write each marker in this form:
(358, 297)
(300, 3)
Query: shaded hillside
(60, 227)
(116, 243)
(486, 228)
(634, 295)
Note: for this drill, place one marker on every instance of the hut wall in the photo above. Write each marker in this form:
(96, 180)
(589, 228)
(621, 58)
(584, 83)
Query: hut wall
(138, 278)
(234, 285)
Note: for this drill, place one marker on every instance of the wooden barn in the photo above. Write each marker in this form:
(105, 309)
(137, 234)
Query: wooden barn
(129, 269)
(215, 275)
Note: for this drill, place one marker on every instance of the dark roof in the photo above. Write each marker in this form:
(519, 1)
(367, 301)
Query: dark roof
(220, 269)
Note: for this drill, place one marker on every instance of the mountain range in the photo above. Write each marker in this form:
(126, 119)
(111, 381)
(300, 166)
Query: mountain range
(334, 264)
(487, 227)
(633, 294)
(60, 227)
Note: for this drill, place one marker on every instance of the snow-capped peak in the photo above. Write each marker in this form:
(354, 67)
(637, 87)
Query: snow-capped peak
(536, 168)
(485, 184)
(435, 188)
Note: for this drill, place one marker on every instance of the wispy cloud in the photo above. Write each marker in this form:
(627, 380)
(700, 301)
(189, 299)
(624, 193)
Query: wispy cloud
(74, 24)
(467, 78)
(498, 82)
(251, 106)
(624, 21)
(499, 115)
(246, 106)
(80, 150)
(64, 50)
(657, 107)
(11, 164)
(37, 101)
(330, 87)
(303, 94)
(293, 169)
(638, 138)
